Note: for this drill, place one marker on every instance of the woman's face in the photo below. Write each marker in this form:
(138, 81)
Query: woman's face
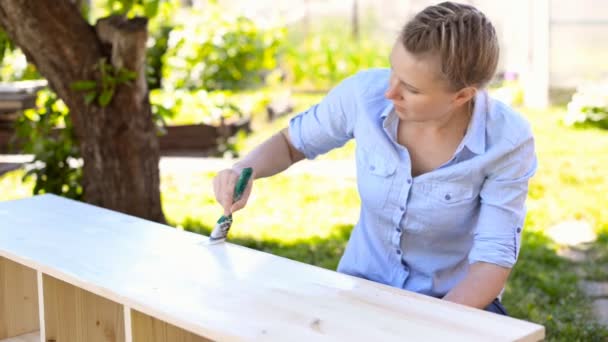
(417, 89)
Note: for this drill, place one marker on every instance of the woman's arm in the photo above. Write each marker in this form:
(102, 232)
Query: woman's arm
(271, 157)
(322, 127)
(481, 285)
(497, 237)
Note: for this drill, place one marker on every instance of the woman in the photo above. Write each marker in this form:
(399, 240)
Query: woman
(442, 169)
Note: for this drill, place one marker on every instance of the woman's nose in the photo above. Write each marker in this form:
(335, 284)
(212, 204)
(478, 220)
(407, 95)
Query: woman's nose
(393, 92)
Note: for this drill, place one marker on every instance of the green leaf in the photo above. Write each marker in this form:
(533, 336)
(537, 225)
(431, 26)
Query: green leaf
(106, 97)
(127, 5)
(126, 75)
(5, 44)
(85, 9)
(151, 8)
(108, 79)
(111, 6)
(90, 97)
(83, 85)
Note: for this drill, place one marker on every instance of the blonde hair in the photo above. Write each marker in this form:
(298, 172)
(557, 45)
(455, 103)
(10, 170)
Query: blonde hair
(462, 37)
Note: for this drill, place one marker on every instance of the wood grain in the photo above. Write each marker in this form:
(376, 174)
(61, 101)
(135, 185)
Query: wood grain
(149, 329)
(18, 299)
(73, 314)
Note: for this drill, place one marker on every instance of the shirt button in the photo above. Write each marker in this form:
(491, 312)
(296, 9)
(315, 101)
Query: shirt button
(409, 181)
(518, 229)
(398, 252)
(402, 208)
(398, 230)
(448, 197)
(372, 168)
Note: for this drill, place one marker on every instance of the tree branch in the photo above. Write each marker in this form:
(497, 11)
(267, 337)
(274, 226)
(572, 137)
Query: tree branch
(127, 40)
(57, 39)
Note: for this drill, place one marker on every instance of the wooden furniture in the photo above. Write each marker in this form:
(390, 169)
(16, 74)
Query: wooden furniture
(14, 98)
(70, 272)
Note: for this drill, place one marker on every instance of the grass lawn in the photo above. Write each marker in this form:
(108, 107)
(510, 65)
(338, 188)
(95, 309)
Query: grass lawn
(309, 218)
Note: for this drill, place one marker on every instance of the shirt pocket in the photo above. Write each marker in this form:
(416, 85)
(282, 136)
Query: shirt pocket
(447, 209)
(375, 175)
(449, 194)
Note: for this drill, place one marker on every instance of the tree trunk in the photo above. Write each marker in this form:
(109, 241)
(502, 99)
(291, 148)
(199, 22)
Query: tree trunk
(118, 142)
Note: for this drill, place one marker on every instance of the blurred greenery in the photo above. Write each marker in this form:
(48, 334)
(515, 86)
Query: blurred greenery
(130, 8)
(543, 288)
(589, 106)
(55, 168)
(157, 47)
(321, 61)
(213, 49)
(15, 67)
(6, 45)
(596, 268)
(182, 107)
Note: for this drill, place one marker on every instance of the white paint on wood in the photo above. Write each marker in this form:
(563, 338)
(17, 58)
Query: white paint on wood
(227, 292)
(128, 329)
(42, 335)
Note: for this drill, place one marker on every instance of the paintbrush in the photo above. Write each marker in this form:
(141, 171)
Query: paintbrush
(220, 231)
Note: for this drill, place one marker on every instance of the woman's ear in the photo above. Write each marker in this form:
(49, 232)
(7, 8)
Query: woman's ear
(464, 95)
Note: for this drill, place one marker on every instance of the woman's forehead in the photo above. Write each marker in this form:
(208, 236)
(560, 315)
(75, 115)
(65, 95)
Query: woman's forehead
(418, 70)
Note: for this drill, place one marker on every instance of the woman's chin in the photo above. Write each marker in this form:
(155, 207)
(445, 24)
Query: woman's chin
(409, 116)
(403, 114)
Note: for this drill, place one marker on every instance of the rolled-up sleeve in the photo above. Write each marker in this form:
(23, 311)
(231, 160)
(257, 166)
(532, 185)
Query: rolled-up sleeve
(329, 124)
(497, 236)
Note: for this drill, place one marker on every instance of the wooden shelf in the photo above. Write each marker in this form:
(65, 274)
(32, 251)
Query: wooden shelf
(81, 273)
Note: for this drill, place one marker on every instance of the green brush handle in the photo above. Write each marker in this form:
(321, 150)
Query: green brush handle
(241, 183)
(220, 231)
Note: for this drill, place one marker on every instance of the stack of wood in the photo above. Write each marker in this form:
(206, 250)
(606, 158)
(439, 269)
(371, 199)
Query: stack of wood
(14, 98)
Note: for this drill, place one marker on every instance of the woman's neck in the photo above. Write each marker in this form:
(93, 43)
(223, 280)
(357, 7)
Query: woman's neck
(457, 120)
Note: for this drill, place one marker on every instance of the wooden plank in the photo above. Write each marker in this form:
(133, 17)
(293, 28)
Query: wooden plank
(73, 314)
(42, 332)
(31, 337)
(149, 329)
(128, 330)
(7, 167)
(18, 299)
(227, 292)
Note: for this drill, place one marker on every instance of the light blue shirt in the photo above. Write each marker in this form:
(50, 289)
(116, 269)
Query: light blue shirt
(422, 233)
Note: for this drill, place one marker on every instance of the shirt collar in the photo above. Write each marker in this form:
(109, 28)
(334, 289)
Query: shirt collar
(389, 108)
(475, 137)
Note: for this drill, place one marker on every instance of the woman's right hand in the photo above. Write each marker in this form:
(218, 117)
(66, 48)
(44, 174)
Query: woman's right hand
(223, 187)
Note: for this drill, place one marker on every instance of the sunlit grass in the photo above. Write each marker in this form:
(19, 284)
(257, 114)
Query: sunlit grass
(282, 208)
(571, 182)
